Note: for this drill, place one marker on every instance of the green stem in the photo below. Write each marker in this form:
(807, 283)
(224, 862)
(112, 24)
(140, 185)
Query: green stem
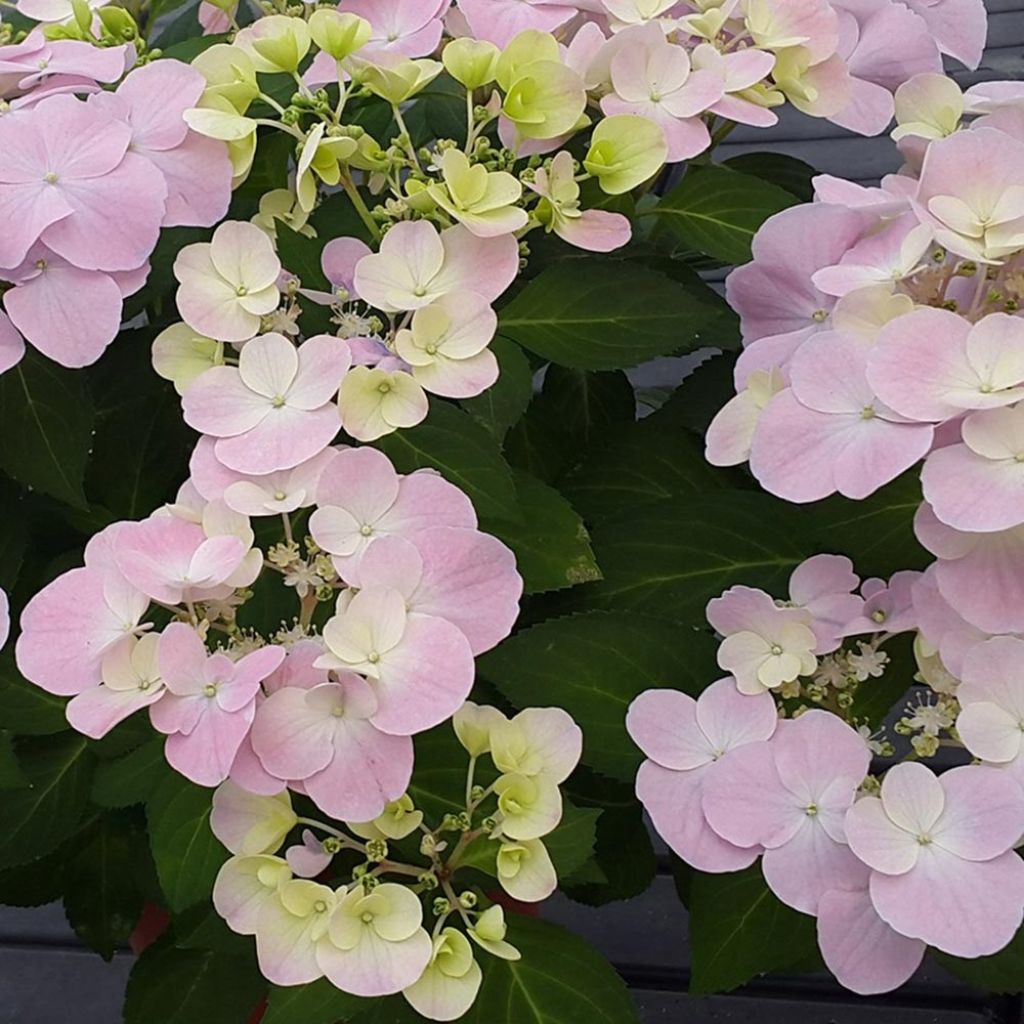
(361, 208)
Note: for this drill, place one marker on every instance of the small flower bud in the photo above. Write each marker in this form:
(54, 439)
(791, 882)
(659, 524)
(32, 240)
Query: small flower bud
(441, 906)
(467, 900)
(376, 850)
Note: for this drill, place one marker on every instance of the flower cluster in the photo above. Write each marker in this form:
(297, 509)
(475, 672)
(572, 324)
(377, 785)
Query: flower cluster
(414, 591)
(887, 868)
(318, 911)
(79, 152)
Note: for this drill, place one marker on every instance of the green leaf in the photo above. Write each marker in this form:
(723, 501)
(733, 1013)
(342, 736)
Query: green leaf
(46, 421)
(785, 171)
(877, 532)
(11, 775)
(652, 459)
(571, 845)
(561, 979)
(449, 441)
(186, 986)
(670, 558)
(301, 256)
(624, 856)
(438, 785)
(502, 404)
(187, 854)
(43, 814)
(26, 709)
(36, 882)
(1002, 972)
(739, 929)
(593, 665)
(599, 313)
(130, 779)
(142, 446)
(101, 900)
(717, 211)
(551, 544)
(318, 1003)
(573, 412)
(14, 514)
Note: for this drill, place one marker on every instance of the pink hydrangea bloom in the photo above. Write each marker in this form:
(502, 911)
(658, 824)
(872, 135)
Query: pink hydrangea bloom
(275, 410)
(823, 586)
(829, 432)
(764, 644)
(774, 294)
(464, 576)
(269, 494)
(790, 795)
(941, 853)
(416, 265)
(655, 79)
(5, 618)
(361, 498)
(932, 365)
(68, 165)
(229, 283)
(959, 27)
(210, 703)
(686, 741)
(940, 624)
(978, 485)
(991, 695)
(981, 575)
(886, 606)
(500, 21)
(12, 345)
(71, 624)
(170, 560)
(197, 170)
(883, 46)
(323, 738)
(401, 28)
(420, 666)
(131, 681)
(859, 948)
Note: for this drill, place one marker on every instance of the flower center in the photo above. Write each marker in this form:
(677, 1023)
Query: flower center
(365, 530)
(373, 657)
(879, 616)
(867, 413)
(924, 840)
(819, 316)
(241, 291)
(279, 495)
(776, 650)
(811, 810)
(278, 402)
(384, 388)
(431, 349)
(366, 918)
(320, 906)
(50, 177)
(210, 690)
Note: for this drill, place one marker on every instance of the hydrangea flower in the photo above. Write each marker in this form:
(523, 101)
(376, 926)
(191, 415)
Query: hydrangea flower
(274, 411)
(941, 853)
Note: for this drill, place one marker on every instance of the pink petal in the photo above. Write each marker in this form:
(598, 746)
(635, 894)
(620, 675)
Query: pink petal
(323, 362)
(205, 754)
(425, 679)
(860, 949)
(96, 711)
(673, 800)
(663, 724)
(979, 911)
(877, 840)
(984, 813)
(283, 439)
(217, 402)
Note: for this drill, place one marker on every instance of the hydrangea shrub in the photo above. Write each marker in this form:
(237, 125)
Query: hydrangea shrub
(361, 602)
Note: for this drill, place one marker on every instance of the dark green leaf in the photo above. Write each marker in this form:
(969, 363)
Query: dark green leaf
(739, 930)
(877, 532)
(26, 709)
(130, 779)
(100, 898)
(1002, 972)
(142, 446)
(449, 441)
(571, 845)
(670, 558)
(595, 313)
(717, 211)
(319, 1003)
(573, 412)
(551, 544)
(593, 665)
(35, 882)
(187, 854)
(502, 404)
(650, 460)
(561, 979)
(624, 861)
(301, 256)
(186, 986)
(439, 783)
(46, 421)
(14, 514)
(704, 392)
(201, 927)
(41, 815)
(11, 775)
(785, 171)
